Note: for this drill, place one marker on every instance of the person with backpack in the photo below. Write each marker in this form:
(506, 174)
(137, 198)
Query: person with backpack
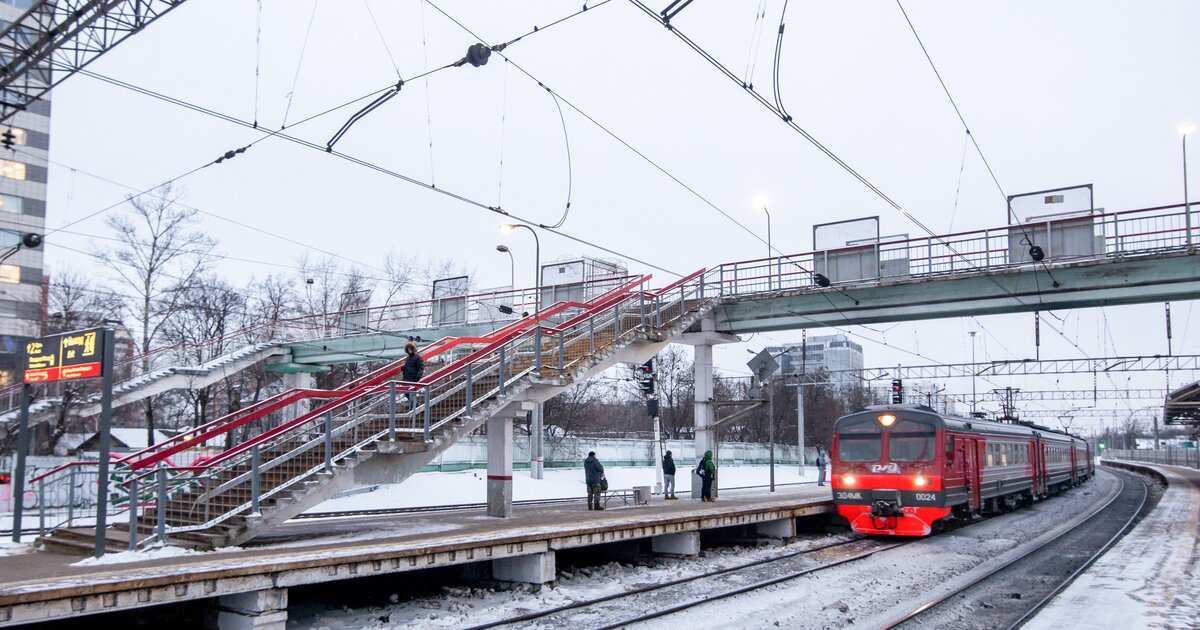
(593, 476)
(822, 462)
(669, 477)
(707, 470)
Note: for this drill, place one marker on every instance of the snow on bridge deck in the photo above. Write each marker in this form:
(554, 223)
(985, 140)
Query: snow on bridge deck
(1150, 578)
(46, 586)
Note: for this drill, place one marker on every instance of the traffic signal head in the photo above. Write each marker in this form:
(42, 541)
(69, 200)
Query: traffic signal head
(897, 391)
(645, 377)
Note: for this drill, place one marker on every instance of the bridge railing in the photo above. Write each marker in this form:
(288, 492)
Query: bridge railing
(1061, 239)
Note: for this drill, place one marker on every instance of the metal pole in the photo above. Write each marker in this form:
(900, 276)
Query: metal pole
(42, 506)
(771, 430)
(19, 473)
(470, 395)
(105, 428)
(501, 368)
(160, 504)
(254, 480)
(70, 496)
(392, 411)
(537, 349)
(329, 441)
(562, 351)
(800, 423)
(1187, 206)
(973, 370)
(769, 248)
(134, 499)
(428, 411)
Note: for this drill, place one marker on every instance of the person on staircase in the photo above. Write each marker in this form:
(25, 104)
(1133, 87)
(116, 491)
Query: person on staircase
(707, 469)
(669, 477)
(414, 369)
(593, 476)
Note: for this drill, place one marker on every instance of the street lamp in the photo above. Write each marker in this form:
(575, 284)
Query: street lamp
(761, 201)
(512, 266)
(507, 228)
(1185, 130)
(973, 370)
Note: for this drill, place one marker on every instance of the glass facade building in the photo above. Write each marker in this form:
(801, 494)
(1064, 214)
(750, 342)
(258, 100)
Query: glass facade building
(833, 353)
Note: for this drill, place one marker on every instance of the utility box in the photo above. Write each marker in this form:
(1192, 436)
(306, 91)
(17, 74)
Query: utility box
(641, 495)
(1061, 237)
(579, 279)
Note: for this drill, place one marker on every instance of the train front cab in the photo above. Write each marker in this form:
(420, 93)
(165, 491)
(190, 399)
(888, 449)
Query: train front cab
(887, 471)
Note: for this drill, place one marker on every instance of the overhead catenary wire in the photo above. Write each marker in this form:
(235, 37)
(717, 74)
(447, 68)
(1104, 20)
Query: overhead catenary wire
(299, 64)
(428, 104)
(382, 39)
(567, 144)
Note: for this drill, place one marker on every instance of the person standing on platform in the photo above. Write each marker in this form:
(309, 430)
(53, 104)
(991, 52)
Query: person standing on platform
(669, 477)
(707, 469)
(593, 476)
(414, 369)
(822, 462)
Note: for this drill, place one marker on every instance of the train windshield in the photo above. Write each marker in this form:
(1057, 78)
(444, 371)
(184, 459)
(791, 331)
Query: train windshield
(860, 441)
(911, 442)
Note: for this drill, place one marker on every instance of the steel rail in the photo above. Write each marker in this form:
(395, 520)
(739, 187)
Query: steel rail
(943, 598)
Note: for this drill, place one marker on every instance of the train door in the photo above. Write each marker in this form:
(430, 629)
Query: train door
(1042, 485)
(972, 474)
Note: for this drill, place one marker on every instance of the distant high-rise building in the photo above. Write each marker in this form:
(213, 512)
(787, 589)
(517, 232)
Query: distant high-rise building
(23, 172)
(833, 353)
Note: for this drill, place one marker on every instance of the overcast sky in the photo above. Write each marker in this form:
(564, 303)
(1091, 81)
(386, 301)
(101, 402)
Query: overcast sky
(1056, 94)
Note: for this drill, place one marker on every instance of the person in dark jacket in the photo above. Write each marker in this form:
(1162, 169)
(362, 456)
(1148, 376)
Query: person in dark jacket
(413, 370)
(669, 477)
(593, 475)
(822, 462)
(707, 469)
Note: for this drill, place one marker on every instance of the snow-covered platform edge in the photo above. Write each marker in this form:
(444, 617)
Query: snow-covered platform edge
(1148, 579)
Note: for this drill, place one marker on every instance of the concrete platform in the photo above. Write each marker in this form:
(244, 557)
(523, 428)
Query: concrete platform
(45, 586)
(1147, 580)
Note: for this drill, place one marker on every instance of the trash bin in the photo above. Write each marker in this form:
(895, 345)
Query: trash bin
(641, 495)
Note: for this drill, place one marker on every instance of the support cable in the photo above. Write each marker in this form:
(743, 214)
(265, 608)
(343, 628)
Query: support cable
(382, 39)
(299, 64)
(567, 143)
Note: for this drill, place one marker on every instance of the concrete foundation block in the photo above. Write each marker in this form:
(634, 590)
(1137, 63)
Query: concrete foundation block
(778, 529)
(538, 568)
(681, 544)
(260, 610)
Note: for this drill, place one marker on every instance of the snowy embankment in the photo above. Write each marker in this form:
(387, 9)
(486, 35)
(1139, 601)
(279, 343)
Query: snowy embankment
(470, 486)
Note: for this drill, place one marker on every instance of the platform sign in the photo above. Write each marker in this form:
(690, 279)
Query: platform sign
(65, 357)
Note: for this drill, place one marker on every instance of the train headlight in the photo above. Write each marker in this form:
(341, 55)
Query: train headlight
(887, 419)
(848, 480)
(920, 482)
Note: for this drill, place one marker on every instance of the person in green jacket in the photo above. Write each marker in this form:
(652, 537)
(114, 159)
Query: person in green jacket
(707, 470)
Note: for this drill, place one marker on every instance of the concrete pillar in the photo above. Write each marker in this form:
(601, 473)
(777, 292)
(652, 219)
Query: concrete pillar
(265, 609)
(681, 544)
(537, 436)
(781, 529)
(704, 413)
(538, 568)
(499, 465)
(297, 380)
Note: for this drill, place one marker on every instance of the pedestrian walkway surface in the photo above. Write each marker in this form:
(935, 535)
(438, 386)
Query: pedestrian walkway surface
(1150, 579)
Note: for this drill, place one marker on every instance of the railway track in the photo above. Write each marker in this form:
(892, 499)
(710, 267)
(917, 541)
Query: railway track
(780, 569)
(1045, 568)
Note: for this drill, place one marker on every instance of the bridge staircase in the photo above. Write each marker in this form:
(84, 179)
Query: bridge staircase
(379, 429)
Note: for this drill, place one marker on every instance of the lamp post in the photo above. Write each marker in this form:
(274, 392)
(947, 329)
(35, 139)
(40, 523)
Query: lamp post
(761, 201)
(537, 260)
(972, 333)
(1185, 130)
(512, 266)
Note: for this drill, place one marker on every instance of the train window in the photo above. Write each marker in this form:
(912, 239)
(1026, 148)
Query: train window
(911, 442)
(949, 446)
(860, 441)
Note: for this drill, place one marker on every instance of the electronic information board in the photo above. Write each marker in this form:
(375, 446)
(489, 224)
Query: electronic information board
(66, 357)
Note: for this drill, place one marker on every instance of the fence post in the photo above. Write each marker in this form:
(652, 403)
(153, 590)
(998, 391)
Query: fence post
(329, 441)
(254, 480)
(501, 368)
(470, 395)
(616, 322)
(537, 349)
(161, 504)
(562, 335)
(428, 411)
(392, 411)
(642, 306)
(134, 499)
(70, 496)
(591, 334)
(41, 508)
(658, 311)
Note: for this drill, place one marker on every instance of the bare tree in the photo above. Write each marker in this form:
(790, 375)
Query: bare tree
(158, 253)
(209, 310)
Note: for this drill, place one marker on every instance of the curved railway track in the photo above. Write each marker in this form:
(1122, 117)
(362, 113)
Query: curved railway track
(1130, 502)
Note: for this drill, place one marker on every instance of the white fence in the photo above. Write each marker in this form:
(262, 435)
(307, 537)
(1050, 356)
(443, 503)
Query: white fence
(1189, 457)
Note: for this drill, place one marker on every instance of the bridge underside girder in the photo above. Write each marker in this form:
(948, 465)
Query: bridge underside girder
(1106, 282)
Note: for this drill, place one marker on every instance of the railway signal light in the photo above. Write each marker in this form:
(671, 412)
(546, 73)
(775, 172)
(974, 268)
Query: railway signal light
(652, 407)
(645, 377)
(897, 391)
(5, 478)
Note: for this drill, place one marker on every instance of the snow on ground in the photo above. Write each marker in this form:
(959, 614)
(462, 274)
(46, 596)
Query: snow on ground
(153, 553)
(10, 548)
(470, 486)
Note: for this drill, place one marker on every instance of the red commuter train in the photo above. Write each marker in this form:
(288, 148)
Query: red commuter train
(906, 470)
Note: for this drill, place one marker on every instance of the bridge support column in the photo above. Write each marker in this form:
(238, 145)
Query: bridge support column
(499, 465)
(537, 435)
(265, 609)
(706, 419)
(535, 569)
(297, 380)
(777, 530)
(681, 544)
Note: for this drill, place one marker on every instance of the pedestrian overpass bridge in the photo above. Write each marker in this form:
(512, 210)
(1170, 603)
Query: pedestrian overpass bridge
(498, 355)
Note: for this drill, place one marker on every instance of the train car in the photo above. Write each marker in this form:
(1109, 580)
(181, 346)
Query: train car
(907, 470)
